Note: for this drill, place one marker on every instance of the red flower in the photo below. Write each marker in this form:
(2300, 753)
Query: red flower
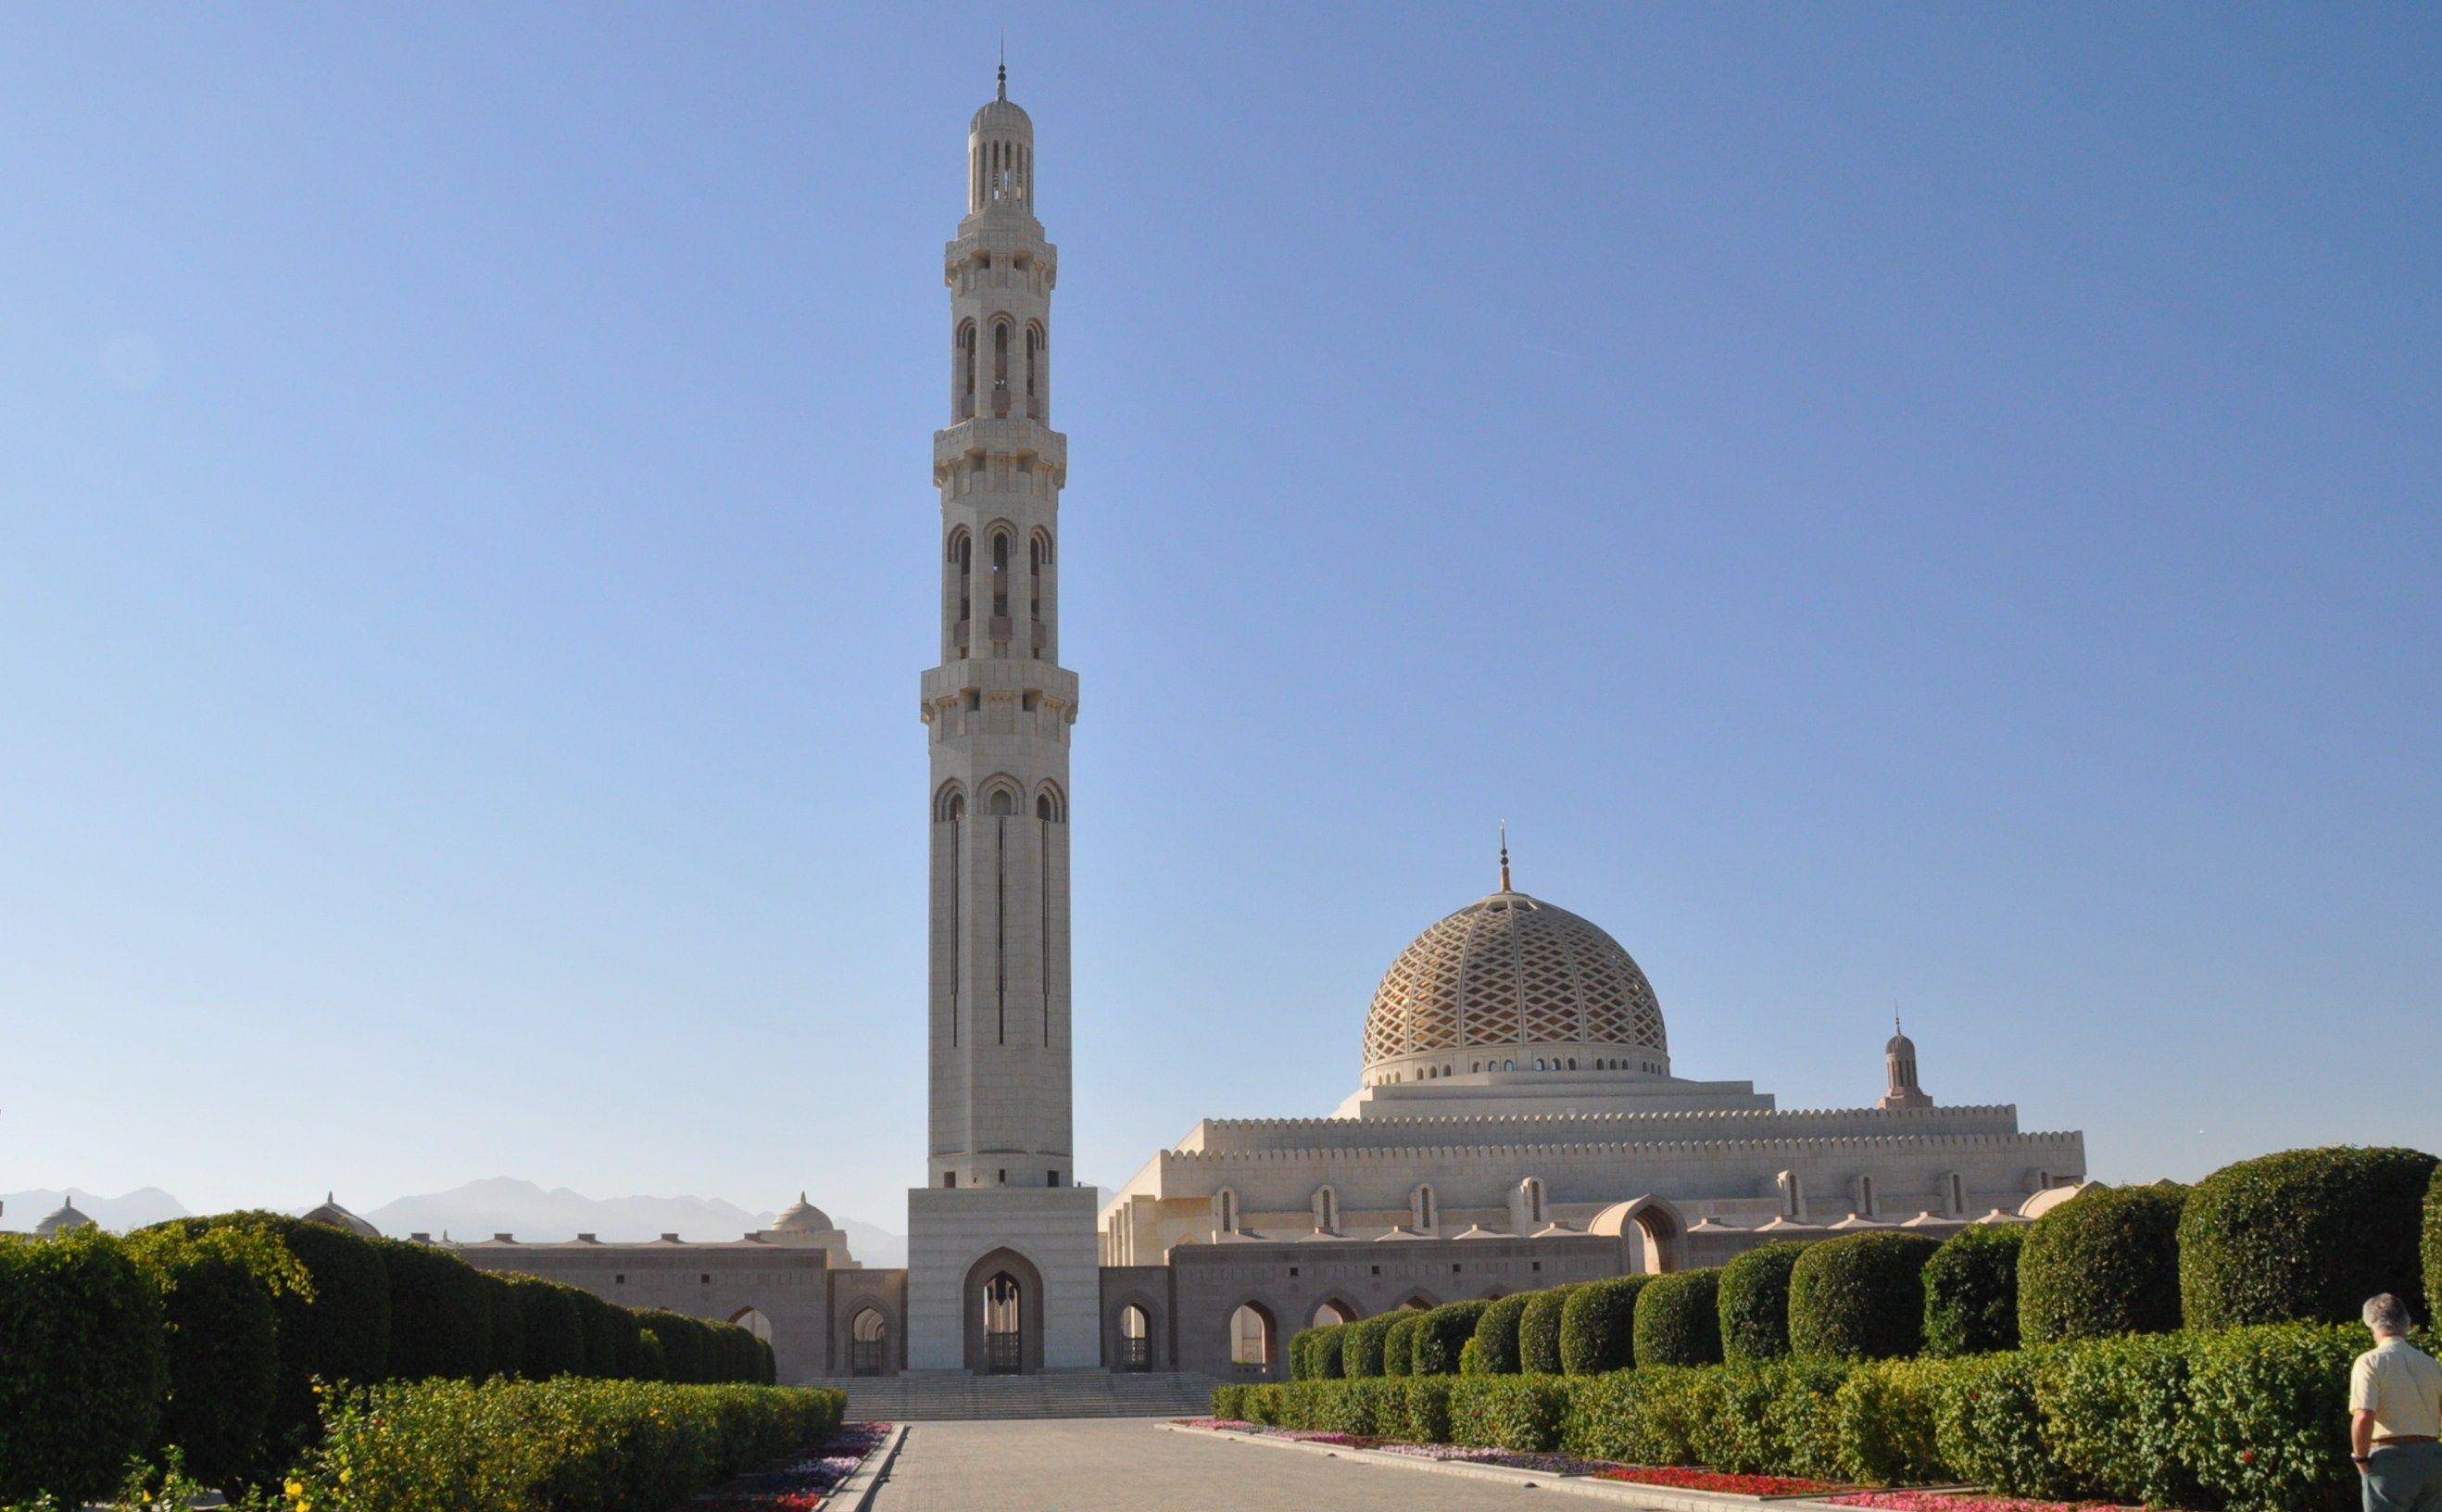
(2246, 1456)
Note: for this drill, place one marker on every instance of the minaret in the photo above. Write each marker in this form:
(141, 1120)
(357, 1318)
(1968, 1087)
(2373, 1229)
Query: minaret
(997, 712)
(1898, 1071)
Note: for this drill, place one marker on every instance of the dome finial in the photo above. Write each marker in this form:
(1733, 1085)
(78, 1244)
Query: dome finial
(1004, 63)
(1504, 855)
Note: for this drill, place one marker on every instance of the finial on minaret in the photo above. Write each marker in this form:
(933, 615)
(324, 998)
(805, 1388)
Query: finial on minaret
(1004, 63)
(1504, 855)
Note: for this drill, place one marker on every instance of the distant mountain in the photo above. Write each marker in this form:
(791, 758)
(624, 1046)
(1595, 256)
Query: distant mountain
(21, 1210)
(504, 1205)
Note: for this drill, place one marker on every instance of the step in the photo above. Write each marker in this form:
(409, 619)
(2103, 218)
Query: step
(919, 1396)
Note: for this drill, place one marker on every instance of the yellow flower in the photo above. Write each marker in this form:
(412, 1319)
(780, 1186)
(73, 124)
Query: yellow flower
(344, 1473)
(295, 1488)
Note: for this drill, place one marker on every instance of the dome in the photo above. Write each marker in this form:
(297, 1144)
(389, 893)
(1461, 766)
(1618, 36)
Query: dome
(67, 1220)
(801, 1217)
(331, 1215)
(1002, 117)
(1509, 971)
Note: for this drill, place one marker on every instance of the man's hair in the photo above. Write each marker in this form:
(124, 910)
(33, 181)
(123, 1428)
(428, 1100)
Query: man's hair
(2386, 1313)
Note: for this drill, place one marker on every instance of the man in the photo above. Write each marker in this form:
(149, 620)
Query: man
(2395, 1414)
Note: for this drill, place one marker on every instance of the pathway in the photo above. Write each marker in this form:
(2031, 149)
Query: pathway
(1136, 1465)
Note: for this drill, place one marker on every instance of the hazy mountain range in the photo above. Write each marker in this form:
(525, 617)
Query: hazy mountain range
(482, 1209)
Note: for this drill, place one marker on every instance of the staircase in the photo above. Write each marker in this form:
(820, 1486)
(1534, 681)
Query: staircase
(944, 1396)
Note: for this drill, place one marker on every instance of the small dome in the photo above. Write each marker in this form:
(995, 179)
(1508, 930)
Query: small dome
(801, 1217)
(1002, 118)
(64, 1221)
(331, 1215)
(1509, 971)
(1899, 1045)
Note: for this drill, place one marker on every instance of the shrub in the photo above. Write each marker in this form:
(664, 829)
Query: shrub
(682, 1343)
(1607, 1419)
(1678, 1319)
(1598, 1325)
(1230, 1403)
(1989, 1428)
(1301, 1347)
(2110, 1410)
(1803, 1416)
(1859, 1297)
(569, 1444)
(1539, 1331)
(552, 1330)
(1441, 1334)
(1315, 1353)
(505, 1326)
(1882, 1418)
(1399, 1344)
(1508, 1411)
(2266, 1412)
(1428, 1409)
(1754, 1302)
(1971, 1291)
(2433, 1247)
(1360, 1352)
(1496, 1335)
(441, 1321)
(2303, 1236)
(607, 1327)
(337, 1331)
(82, 1364)
(220, 1341)
(2105, 1262)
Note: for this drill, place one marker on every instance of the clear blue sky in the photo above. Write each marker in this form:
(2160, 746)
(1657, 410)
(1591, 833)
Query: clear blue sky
(1927, 504)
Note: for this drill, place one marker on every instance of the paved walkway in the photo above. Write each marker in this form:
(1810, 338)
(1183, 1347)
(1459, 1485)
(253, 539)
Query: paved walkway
(1122, 1465)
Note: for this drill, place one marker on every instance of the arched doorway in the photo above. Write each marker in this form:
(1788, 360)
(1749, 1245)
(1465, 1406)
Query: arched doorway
(1250, 1339)
(1003, 1307)
(869, 1343)
(754, 1323)
(1329, 1313)
(1136, 1339)
(1651, 1232)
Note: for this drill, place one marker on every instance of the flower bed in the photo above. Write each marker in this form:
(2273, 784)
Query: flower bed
(800, 1485)
(1961, 1502)
(1682, 1478)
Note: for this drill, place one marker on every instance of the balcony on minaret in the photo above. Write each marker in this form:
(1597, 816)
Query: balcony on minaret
(995, 437)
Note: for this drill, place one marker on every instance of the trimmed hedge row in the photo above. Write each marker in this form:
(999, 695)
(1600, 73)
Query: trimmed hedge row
(2250, 1419)
(567, 1445)
(1971, 1292)
(1678, 1319)
(1755, 1302)
(2105, 1262)
(210, 1335)
(2305, 1236)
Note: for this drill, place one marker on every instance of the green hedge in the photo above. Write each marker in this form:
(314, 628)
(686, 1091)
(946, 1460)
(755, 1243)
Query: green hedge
(2105, 1262)
(1598, 1325)
(505, 1326)
(2247, 1419)
(1539, 1331)
(1360, 1352)
(1859, 1297)
(2304, 1236)
(83, 1366)
(1400, 1343)
(2433, 1245)
(1315, 1353)
(441, 1317)
(1441, 1334)
(552, 1330)
(220, 1342)
(568, 1445)
(1755, 1302)
(1678, 1319)
(1971, 1291)
(1496, 1335)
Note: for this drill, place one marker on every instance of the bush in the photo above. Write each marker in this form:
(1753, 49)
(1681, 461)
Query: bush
(1678, 1319)
(1315, 1353)
(2266, 1423)
(568, 1445)
(2433, 1247)
(2105, 1262)
(1441, 1334)
(441, 1320)
(1399, 1344)
(1971, 1292)
(1608, 1419)
(1598, 1325)
(607, 1327)
(2305, 1237)
(505, 1326)
(553, 1331)
(1428, 1409)
(1859, 1297)
(1990, 1429)
(1230, 1403)
(1539, 1331)
(1754, 1302)
(2110, 1410)
(221, 1343)
(1883, 1419)
(1360, 1352)
(1496, 1335)
(1508, 1411)
(82, 1364)
(338, 1331)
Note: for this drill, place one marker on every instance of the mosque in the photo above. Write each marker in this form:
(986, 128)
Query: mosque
(1515, 1122)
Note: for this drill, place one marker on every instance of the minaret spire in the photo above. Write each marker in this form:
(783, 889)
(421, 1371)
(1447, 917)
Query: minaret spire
(1504, 855)
(1004, 63)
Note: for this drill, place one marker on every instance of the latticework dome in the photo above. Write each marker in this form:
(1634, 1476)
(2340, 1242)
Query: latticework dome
(802, 1218)
(1511, 973)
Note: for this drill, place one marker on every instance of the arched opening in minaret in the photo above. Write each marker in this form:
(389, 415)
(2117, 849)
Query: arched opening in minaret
(1000, 369)
(966, 370)
(1035, 384)
(999, 580)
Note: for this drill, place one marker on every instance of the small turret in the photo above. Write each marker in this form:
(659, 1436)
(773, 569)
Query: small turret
(1899, 1068)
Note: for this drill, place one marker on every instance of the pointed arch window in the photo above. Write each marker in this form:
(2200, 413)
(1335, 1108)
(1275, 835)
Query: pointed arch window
(1000, 576)
(1224, 1210)
(966, 370)
(1036, 349)
(1425, 1209)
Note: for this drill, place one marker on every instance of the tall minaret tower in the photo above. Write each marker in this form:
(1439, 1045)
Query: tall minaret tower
(997, 711)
